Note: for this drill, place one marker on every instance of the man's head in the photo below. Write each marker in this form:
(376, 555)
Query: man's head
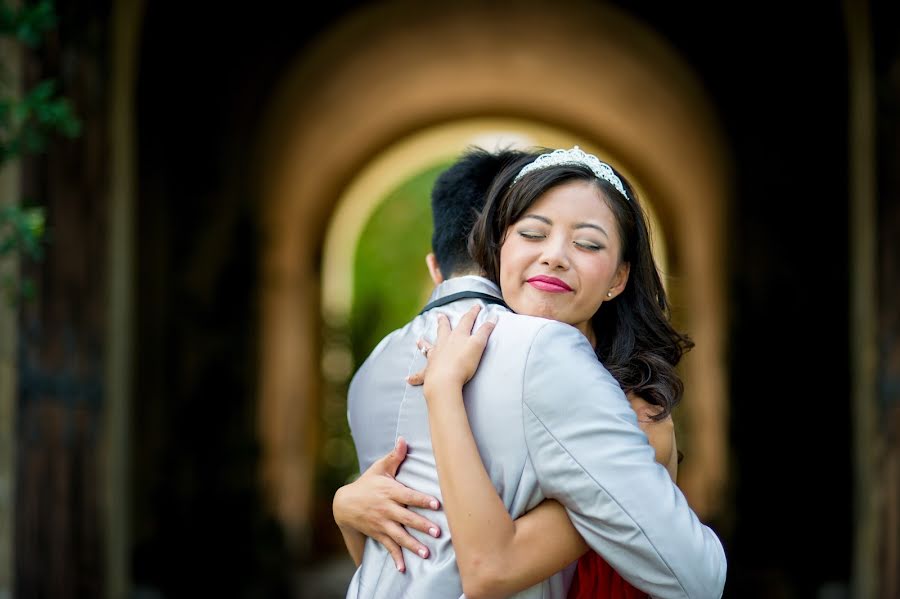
(456, 199)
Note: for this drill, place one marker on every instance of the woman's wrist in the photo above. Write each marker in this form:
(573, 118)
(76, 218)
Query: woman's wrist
(439, 386)
(338, 509)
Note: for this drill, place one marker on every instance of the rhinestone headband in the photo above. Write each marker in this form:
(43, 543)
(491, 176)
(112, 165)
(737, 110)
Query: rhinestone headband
(574, 156)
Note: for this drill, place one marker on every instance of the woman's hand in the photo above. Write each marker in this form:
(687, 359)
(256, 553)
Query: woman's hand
(375, 505)
(454, 357)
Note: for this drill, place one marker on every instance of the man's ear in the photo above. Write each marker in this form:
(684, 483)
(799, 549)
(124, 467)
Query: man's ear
(433, 269)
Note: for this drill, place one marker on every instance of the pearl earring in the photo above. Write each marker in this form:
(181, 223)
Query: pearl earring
(609, 294)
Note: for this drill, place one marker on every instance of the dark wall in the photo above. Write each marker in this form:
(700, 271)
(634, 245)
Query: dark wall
(777, 74)
(200, 527)
(886, 16)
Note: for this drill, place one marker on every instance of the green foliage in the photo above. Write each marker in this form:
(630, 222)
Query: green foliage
(21, 231)
(391, 282)
(28, 22)
(26, 125)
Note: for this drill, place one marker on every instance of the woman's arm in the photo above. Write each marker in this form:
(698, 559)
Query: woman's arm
(496, 555)
(355, 542)
(375, 505)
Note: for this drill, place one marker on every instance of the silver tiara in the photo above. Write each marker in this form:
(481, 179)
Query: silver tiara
(574, 156)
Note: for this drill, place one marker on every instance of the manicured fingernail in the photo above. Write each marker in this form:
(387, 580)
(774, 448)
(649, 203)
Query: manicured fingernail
(423, 552)
(434, 504)
(433, 532)
(400, 567)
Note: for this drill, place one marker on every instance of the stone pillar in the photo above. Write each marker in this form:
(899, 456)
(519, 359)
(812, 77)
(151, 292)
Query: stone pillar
(863, 301)
(125, 34)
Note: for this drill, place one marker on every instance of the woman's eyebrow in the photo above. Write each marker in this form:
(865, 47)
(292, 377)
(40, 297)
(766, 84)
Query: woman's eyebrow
(543, 219)
(591, 226)
(547, 221)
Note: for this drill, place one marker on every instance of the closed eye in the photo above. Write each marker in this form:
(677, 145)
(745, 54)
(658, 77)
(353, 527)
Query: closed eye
(589, 245)
(531, 234)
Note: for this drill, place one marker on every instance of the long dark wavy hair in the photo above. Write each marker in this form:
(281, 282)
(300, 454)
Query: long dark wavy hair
(636, 341)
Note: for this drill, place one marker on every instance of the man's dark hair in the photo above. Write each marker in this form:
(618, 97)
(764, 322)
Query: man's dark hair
(456, 199)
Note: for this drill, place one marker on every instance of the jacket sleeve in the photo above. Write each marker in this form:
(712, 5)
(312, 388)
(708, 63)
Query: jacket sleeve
(589, 454)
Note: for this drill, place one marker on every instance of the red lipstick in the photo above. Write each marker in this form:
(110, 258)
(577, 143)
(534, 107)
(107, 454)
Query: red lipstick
(551, 284)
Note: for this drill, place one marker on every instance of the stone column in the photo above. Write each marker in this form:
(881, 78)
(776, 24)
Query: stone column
(863, 301)
(125, 33)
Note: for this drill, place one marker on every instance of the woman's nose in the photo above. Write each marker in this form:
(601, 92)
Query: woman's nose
(555, 254)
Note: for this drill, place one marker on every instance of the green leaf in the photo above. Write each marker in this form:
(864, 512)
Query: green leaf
(26, 124)
(29, 22)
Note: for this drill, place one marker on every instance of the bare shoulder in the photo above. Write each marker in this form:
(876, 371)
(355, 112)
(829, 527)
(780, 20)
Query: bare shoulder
(645, 412)
(660, 433)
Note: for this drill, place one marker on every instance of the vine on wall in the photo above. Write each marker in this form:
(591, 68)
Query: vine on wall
(27, 123)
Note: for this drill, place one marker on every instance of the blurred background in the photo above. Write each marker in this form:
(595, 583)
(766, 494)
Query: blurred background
(210, 213)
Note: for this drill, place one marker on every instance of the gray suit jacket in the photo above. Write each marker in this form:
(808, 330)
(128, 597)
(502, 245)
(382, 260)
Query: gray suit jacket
(550, 422)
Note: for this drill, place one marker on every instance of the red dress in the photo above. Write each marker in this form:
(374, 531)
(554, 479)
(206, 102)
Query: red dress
(595, 579)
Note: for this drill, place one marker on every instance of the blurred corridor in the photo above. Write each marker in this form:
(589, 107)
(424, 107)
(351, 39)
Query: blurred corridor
(244, 214)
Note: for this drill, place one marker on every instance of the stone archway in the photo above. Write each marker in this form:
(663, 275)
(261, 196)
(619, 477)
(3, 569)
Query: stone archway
(396, 68)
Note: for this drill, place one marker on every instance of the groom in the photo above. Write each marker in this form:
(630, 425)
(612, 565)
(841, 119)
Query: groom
(531, 446)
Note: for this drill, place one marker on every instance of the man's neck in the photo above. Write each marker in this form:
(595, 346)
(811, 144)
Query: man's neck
(467, 273)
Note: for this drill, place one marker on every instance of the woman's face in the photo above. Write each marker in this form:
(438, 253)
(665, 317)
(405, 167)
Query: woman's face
(562, 257)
